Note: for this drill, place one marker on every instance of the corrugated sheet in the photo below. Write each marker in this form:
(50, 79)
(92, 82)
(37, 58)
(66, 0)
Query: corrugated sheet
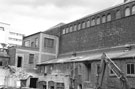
(91, 57)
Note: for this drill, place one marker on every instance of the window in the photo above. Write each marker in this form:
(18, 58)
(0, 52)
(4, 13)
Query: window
(133, 10)
(98, 20)
(48, 42)
(93, 22)
(27, 43)
(2, 28)
(31, 58)
(0, 63)
(71, 29)
(109, 17)
(118, 14)
(111, 72)
(127, 11)
(75, 27)
(36, 42)
(79, 26)
(63, 31)
(130, 68)
(67, 30)
(59, 85)
(32, 44)
(103, 19)
(83, 25)
(98, 68)
(88, 23)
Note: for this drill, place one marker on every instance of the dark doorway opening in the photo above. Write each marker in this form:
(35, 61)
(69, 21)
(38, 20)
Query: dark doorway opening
(33, 82)
(19, 62)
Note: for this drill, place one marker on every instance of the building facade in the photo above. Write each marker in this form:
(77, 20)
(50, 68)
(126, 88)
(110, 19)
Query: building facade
(81, 45)
(15, 38)
(8, 37)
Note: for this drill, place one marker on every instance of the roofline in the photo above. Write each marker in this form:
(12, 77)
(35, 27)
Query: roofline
(101, 11)
(4, 23)
(33, 34)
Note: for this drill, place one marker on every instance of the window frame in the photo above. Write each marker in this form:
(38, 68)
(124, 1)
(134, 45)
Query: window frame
(79, 26)
(27, 43)
(93, 22)
(64, 31)
(31, 58)
(36, 42)
(83, 25)
(103, 18)
(130, 70)
(109, 17)
(127, 13)
(1, 28)
(88, 23)
(48, 42)
(98, 20)
(133, 10)
(118, 14)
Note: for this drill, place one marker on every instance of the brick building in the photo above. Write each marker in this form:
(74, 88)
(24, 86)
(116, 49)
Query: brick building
(36, 49)
(81, 44)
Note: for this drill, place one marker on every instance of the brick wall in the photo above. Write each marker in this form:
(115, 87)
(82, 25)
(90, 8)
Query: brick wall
(114, 33)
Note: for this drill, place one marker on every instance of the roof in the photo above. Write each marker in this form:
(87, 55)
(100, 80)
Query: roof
(112, 7)
(32, 34)
(92, 57)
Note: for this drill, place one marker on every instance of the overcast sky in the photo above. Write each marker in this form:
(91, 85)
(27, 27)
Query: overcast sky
(30, 16)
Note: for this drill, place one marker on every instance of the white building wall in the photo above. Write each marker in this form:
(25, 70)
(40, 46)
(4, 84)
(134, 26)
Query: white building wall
(15, 38)
(4, 33)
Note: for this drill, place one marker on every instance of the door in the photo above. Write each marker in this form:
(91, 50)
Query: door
(19, 61)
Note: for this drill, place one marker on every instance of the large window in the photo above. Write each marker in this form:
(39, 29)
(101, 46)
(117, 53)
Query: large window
(27, 43)
(79, 26)
(103, 19)
(63, 31)
(49, 43)
(93, 22)
(75, 27)
(109, 17)
(118, 14)
(127, 11)
(67, 30)
(88, 23)
(83, 25)
(98, 20)
(71, 28)
(31, 58)
(2, 28)
(36, 42)
(130, 69)
(133, 10)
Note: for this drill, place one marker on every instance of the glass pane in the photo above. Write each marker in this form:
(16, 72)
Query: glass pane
(98, 20)
(128, 68)
(63, 31)
(88, 23)
(93, 22)
(109, 17)
(127, 12)
(118, 14)
(133, 10)
(132, 69)
(103, 19)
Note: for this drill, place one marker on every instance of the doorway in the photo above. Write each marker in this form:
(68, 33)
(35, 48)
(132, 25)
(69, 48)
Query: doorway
(19, 61)
(33, 82)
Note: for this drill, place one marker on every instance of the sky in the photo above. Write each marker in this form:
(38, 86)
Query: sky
(31, 16)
